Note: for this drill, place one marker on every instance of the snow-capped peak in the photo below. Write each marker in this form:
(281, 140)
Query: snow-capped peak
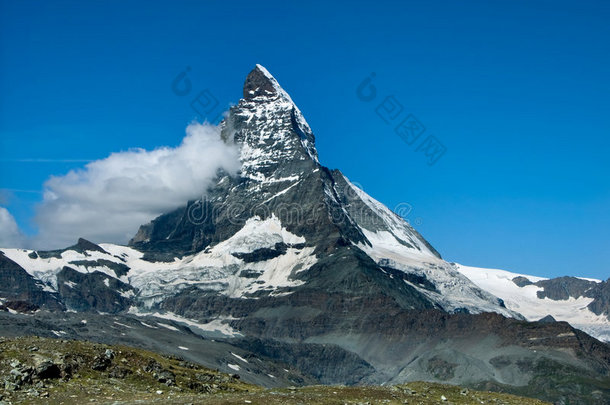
(272, 81)
(271, 130)
(261, 84)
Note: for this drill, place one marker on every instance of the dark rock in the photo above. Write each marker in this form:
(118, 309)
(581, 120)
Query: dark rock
(83, 245)
(250, 273)
(441, 369)
(47, 254)
(562, 288)
(165, 377)
(258, 84)
(199, 387)
(601, 299)
(417, 279)
(205, 377)
(21, 306)
(119, 372)
(119, 269)
(18, 376)
(159, 373)
(22, 291)
(262, 254)
(101, 363)
(547, 319)
(500, 362)
(93, 291)
(47, 370)
(522, 281)
(71, 363)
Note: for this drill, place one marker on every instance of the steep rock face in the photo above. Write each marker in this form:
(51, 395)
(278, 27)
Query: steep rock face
(562, 288)
(93, 291)
(566, 288)
(521, 281)
(17, 285)
(83, 277)
(601, 299)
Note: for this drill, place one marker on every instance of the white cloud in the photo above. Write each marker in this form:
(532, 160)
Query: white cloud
(10, 235)
(110, 198)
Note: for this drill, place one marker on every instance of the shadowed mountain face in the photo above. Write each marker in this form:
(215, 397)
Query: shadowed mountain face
(291, 261)
(20, 291)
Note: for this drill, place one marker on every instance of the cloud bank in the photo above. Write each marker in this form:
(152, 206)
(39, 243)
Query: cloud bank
(110, 198)
(10, 235)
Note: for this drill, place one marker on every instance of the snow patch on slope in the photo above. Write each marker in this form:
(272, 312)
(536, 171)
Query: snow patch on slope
(398, 230)
(218, 270)
(218, 326)
(46, 269)
(257, 234)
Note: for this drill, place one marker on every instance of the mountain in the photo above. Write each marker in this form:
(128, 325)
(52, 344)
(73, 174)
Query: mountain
(290, 262)
(584, 303)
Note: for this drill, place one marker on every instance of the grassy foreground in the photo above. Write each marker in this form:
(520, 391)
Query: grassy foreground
(49, 371)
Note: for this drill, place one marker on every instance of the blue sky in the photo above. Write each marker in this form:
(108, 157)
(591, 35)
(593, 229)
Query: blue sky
(516, 91)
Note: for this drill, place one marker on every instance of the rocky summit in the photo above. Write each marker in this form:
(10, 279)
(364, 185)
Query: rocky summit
(287, 273)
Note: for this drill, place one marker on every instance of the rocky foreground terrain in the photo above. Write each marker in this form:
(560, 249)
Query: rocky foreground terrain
(53, 371)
